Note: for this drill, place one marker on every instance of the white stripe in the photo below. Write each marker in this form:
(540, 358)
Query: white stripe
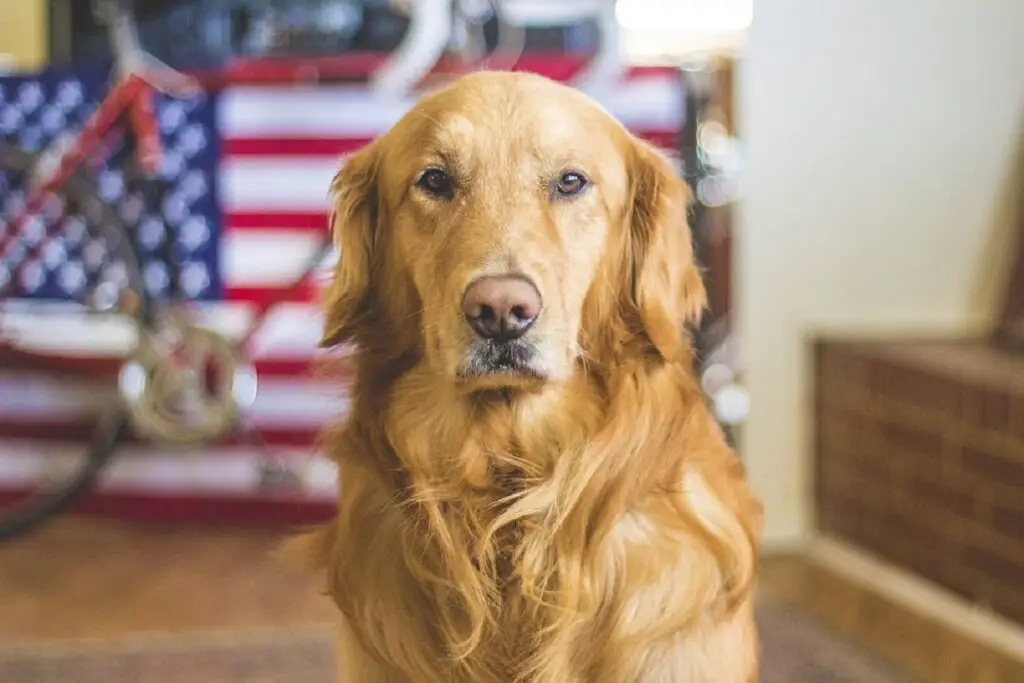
(302, 403)
(276, 183)
(290, 330)
(348, 111)
(25, 395)
(649, 102)
(139, 469)
(282, 402)
(64, 331)
(266, 258)
(69, 330)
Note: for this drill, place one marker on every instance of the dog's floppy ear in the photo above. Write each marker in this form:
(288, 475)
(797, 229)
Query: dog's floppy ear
(353, 224)
(667, 289)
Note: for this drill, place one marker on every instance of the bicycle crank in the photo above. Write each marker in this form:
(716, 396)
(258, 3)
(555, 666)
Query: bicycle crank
(186, 384)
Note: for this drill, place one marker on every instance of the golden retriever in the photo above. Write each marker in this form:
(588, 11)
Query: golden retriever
(532, 489)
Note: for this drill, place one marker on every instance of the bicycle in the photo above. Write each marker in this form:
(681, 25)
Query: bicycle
(180, 382)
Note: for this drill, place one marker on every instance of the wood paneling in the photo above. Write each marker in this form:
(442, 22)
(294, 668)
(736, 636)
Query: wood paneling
(920, 459)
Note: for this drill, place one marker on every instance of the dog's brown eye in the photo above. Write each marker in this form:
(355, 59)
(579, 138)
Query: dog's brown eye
(436, 182)
(570, 183)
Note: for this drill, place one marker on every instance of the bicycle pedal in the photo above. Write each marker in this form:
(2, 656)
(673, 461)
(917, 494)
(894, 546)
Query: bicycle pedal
(279, 479)
(128, 303)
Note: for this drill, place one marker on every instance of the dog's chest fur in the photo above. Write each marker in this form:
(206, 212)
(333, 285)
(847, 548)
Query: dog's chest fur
(517, 619)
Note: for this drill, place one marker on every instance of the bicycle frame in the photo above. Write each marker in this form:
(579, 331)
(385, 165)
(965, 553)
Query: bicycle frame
(140, 77)
(57, 165)
(430, 31)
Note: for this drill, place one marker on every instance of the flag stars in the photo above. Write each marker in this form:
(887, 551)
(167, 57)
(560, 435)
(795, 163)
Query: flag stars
(75, 257)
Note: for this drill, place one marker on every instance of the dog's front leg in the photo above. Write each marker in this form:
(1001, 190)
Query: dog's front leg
(724, 651)
(356, 665)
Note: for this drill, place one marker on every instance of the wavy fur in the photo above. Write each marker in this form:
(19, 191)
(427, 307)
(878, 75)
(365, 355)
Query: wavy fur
(595, 529)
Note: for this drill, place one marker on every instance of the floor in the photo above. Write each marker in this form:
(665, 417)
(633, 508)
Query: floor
(95, 579)
(83, 578)
(87, 595)
(926, 649)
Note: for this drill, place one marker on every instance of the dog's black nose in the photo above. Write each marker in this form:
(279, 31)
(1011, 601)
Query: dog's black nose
(501, 307)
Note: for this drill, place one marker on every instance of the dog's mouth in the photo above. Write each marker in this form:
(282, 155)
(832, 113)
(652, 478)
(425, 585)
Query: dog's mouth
(493, 364)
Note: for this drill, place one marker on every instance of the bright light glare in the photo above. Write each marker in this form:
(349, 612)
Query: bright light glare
(685, 15)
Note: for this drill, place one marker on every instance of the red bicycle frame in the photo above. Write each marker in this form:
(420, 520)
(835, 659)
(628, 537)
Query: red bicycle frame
(141, 74)
(133, 96)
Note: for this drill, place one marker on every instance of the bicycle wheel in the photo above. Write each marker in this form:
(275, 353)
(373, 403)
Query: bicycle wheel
(68, 272)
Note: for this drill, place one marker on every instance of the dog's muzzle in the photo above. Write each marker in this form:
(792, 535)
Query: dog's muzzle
(500, 309)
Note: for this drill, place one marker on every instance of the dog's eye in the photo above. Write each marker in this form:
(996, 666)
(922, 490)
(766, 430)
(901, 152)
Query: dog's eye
(570, 183)
(436, 182)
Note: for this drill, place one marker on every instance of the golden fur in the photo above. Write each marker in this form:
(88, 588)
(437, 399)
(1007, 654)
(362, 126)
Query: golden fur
(585, 523)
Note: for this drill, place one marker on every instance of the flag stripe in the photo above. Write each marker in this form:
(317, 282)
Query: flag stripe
(337, 147)
(292, 146)
(358, 67)
(647, 102)
(232, 470)
(267, 257)
(307, 221)
(276, 184)
(291, 330)
(263, 297)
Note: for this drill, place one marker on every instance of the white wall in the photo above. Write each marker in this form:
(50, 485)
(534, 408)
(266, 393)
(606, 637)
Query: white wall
(879, 136)
(23, 34)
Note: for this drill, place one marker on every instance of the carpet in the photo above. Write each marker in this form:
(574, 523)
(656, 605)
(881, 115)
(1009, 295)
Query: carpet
(796, 649)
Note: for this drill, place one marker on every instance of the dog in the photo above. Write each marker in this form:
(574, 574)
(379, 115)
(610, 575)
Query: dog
(531, 487)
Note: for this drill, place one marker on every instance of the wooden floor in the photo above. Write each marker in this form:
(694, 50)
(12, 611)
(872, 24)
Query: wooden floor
(97, 579)
(87, 579)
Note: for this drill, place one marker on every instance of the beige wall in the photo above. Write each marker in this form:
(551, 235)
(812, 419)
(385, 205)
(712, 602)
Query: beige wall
(879, 136)
(23, 33)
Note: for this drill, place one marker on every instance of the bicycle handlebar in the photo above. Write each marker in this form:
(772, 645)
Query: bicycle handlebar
(426, 40)
(130, 58)
(430, 31)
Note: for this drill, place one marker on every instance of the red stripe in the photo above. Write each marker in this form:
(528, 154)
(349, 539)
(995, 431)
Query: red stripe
(77, 429)
(79, 366)
(264, 220)
(70, 366)
(359, 67)
(337, 147)
(229, 509)
(80, 429)
(665, 139)
(286, 147)
(265, 297)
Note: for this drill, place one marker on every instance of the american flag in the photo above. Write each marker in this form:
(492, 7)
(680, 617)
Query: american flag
(281, 145)
(248, 169)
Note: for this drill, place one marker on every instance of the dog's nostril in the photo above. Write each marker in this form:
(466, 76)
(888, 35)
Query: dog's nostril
(501, 308)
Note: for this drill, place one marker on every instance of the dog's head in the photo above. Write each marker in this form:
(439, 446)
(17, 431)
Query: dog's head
(508, 229)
